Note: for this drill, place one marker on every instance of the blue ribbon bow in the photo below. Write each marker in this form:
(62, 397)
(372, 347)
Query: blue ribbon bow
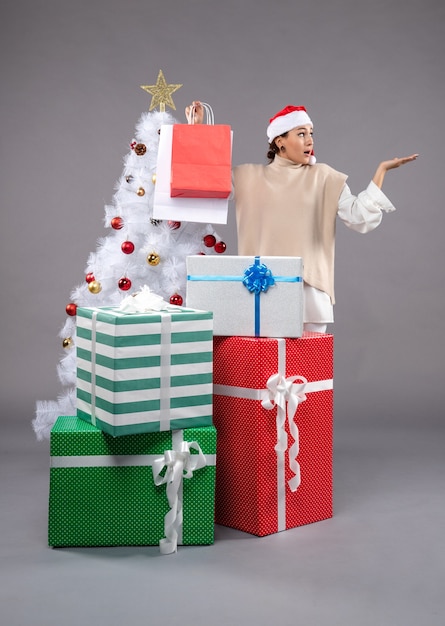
(258, 277)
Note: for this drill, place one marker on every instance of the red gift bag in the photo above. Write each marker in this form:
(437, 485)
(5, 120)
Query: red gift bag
(205, 210)
(201, 161)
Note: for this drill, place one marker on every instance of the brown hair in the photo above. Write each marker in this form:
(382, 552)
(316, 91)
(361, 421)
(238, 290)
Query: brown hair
(274, 149)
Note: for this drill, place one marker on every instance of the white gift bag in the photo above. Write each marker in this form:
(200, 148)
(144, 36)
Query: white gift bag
(206, 210)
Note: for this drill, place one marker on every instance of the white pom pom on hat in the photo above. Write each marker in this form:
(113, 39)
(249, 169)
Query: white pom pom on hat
(288, 118)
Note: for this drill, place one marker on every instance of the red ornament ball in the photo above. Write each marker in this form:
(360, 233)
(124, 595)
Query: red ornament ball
(124, 284)
(127, 247)
(174, 225)
(209, 241)
(220, 247)
(176, 299)
(89, 277)
(117, 223)
(71, 309)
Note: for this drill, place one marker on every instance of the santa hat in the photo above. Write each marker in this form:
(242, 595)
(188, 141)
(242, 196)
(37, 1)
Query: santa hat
(286, 119)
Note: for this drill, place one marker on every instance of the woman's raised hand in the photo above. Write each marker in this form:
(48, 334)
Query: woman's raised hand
(397, 162)
(195, 113)
(390, 165)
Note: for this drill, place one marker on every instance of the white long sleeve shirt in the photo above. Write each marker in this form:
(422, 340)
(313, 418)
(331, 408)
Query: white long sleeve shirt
(361, 213)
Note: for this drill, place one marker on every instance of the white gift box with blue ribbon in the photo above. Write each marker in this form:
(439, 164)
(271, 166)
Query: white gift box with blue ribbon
(259, 296)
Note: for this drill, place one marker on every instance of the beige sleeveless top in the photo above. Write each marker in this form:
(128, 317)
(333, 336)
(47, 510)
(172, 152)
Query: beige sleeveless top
(285, 209)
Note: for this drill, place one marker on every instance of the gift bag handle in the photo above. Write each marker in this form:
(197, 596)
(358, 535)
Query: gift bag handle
(210, 118)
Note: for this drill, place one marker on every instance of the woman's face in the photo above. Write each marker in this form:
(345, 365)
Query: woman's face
(297, 145)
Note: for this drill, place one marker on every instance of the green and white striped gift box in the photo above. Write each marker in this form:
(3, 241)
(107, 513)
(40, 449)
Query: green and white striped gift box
(144, 372)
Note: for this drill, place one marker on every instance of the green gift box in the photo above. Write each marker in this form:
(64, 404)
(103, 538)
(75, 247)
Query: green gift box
(144, 372)
(131, 490)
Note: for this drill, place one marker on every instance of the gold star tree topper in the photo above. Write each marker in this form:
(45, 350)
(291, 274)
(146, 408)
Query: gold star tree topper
(161, 93)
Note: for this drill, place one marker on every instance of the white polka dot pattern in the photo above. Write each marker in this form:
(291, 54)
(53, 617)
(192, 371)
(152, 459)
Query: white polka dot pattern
(121, 505)
(246, 481)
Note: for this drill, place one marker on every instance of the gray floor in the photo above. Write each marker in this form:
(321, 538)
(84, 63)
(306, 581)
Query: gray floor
(380, 561)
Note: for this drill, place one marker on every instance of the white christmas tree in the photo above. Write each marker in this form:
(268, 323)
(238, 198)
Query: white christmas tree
(138, 250)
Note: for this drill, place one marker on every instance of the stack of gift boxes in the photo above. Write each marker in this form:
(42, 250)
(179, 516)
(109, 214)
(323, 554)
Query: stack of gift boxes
(273, 393)
(137, 465)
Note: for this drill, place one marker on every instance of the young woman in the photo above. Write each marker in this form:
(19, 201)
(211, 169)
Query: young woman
(289, 207)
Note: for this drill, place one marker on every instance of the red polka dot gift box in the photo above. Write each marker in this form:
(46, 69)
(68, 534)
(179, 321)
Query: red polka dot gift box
(273, 410)
(144, 489)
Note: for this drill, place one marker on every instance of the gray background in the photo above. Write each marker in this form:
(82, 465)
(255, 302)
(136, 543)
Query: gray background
(371, 75)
